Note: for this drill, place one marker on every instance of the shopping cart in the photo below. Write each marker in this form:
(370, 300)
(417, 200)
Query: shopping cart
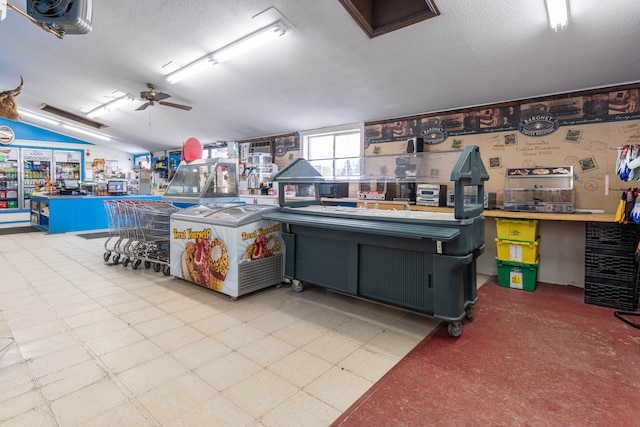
(152, 235)
(122, 230)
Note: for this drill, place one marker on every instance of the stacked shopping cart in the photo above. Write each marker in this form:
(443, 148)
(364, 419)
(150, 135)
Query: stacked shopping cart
(139, 233)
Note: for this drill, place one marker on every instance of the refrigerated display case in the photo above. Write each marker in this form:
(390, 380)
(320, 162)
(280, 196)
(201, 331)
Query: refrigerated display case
(203, 181)
(68, 165)
(229, 249)
(9, 162)
(37, 166)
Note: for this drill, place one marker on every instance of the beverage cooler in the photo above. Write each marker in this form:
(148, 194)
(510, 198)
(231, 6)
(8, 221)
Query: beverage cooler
(229, 249)
(22, 170)
(68, 165)
(9, 167)
(36, 170)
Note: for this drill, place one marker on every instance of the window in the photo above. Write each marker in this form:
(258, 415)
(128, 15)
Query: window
(335, 154)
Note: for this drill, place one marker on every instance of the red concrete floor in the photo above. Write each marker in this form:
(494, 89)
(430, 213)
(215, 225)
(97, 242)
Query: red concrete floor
(540, 358)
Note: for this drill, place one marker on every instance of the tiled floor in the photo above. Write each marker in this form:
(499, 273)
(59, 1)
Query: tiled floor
(85, 343)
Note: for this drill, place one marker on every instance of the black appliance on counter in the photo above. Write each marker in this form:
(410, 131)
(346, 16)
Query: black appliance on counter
(334, 190)
(69, 186)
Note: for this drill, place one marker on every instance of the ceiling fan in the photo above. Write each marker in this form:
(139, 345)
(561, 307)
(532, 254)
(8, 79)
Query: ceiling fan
(152, 96)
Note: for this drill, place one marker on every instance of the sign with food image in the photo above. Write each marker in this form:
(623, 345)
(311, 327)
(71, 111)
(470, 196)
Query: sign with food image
(209, 255)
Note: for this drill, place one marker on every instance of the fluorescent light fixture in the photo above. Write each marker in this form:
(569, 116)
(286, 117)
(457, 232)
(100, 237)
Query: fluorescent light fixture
(43, 119)
(86, 132)
(557, 11)
(111, 105)
(251, 41)
(38, 117)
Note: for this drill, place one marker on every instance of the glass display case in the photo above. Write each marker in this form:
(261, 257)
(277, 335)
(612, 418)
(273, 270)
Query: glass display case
(539, 189)
(202, 181)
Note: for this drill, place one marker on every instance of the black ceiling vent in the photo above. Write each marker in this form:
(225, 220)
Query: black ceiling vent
(377, 17)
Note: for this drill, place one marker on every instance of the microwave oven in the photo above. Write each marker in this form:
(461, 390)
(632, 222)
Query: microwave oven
(431, 195)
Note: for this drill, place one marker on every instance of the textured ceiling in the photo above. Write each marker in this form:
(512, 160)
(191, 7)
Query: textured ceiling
(325, 71)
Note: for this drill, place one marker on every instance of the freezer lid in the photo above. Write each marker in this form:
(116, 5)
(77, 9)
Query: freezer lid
(234, 215)
(202, 210)
(414, 231)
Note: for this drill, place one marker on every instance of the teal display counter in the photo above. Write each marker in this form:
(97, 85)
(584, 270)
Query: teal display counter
(61, 214)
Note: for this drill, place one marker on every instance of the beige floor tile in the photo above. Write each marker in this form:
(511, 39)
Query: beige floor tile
(215, 324)
(151, 374)
(216, 411)
(37, 417)
(71, 379)
(239, 336)
(78, 309)
(272, 321)
(87, 318)
(328, 319)
(128, 307)
(86, 403)
(35, 332)
(117, 298)
(42, 346)
(178, 395)
(260, 393)
(144, 315)
(10, 355)
(338, 388)
(300, 368)
(359, 331)
(177, 338)
(57, 360)
(100, 328)
(415, 325)
(32, 320)
(132, 355)
(158, 326)
(393, 344)
(368, 365)
(227, 370)
(301, 410)
(20, 404)
(248, 309)
(68, 301)
(331, 348)
(125, 415)
(14, 376)
(299, 334)
(196, 313)
(8, 304)
(266, 350)
(16, 388)
(114, 340)
(178, 304)
(198, 353)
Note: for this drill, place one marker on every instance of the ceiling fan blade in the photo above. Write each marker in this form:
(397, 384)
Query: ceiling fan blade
(180, 106)
(161, 95)
(143, 106)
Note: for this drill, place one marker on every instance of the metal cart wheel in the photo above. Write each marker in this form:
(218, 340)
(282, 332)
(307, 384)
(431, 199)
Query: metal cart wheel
(297, 285)
(166, 270)
(468, 312)
(157, 268)
(106, 256)
(147, 264)
(116, 259)
(455, 329)
(136, 264)
(125, 262)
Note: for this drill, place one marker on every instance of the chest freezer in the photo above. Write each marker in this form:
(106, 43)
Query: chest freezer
(227, 247)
